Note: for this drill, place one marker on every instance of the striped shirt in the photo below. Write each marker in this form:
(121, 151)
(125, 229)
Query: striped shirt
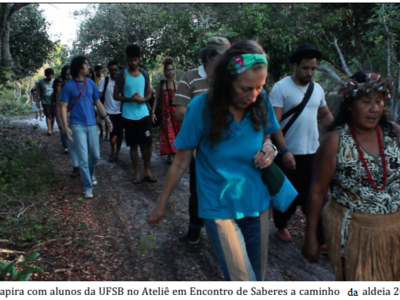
(193, 83)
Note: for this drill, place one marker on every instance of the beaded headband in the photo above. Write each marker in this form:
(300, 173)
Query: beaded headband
(373, 82)
(241, 63)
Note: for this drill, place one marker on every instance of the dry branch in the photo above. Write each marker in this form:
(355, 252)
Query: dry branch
(332, 73)
(11, 251)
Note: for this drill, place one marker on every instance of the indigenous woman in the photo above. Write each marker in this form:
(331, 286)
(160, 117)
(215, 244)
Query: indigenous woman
(168, 127)
(230, 128)
(359, 160)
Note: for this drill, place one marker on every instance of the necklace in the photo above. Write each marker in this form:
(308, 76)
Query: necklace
(361, 154)
(83, 86)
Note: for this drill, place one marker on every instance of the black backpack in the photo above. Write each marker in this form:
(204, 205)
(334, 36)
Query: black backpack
(103, 97)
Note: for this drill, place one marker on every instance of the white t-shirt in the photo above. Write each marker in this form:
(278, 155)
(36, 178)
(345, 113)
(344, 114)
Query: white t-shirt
(302, 137)
(111, 106)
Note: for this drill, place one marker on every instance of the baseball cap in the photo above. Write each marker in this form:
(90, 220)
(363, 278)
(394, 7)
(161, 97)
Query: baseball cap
(219, 44)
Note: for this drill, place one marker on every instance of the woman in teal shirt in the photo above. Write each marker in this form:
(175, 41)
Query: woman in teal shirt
(230, 127)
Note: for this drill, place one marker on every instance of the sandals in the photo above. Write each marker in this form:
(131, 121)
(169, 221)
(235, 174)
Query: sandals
(150, 179)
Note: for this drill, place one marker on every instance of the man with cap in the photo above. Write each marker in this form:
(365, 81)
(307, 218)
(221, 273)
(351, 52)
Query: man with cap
(297, 97)
(193, 83)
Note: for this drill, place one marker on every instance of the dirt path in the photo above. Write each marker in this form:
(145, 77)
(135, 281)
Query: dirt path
(120, 245)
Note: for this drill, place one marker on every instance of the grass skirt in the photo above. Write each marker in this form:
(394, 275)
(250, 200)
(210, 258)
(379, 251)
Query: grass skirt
(372, 249)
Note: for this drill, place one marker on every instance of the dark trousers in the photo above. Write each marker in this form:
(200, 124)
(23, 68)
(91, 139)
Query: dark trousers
(301, 180)
(195, 221)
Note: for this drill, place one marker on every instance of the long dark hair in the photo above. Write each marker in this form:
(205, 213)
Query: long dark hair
(221, 94)
(55, 82)
(64, 70)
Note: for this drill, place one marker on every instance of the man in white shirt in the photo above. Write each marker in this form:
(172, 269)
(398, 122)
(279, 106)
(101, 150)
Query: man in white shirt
(113, 108)
(300, 141)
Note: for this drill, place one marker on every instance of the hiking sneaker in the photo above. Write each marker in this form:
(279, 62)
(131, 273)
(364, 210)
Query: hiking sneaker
(88, 194)
(323, 249)
(94, 180)
(193, 235)
(75, 172)
(284, 235)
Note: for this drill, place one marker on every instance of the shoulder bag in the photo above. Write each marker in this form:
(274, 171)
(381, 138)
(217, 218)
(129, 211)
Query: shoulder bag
(103, 96)
(76, 100)
(296, 111)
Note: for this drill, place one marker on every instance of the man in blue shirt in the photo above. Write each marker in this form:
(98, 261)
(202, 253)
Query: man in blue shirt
(133, 89)
(77, 98)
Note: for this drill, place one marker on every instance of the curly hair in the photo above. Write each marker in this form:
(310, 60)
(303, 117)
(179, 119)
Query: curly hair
(166, 62)
(77, 64)
(133, 50)
(221, 93)
(361, 84)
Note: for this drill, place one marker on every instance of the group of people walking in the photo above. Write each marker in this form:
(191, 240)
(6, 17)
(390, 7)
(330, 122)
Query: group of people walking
(220, 122)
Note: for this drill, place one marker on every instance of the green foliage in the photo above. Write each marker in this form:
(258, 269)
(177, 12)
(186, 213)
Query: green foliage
(58, 58)
(30, 45)
(12, 107)
(9, 271)
(24, 181)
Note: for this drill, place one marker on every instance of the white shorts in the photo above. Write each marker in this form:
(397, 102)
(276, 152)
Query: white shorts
(34, 107)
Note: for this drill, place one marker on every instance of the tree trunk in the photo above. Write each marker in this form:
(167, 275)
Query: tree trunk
(6, 12)
(27, 90)
(339, 52)
(5, 45)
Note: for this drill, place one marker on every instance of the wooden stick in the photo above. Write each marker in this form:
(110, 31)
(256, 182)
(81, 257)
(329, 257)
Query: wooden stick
(11, 251)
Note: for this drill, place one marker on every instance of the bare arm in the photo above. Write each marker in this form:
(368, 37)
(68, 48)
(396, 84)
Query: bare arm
(102, 111)
(323, 171)
(118, 97)
(139, 99)
(180, 113)
(288, 159)
(38, 98)
(58, 108)
(325, 115)
(100, 108)
(178, 168)
(397, 128)
(153, 109)
(278, 135)
(64, 107)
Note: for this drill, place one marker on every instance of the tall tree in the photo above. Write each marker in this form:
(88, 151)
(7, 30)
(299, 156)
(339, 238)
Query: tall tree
(7, 10)
(30, 44)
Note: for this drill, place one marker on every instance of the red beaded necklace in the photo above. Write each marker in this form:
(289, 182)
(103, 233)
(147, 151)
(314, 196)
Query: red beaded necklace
(361, 153)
